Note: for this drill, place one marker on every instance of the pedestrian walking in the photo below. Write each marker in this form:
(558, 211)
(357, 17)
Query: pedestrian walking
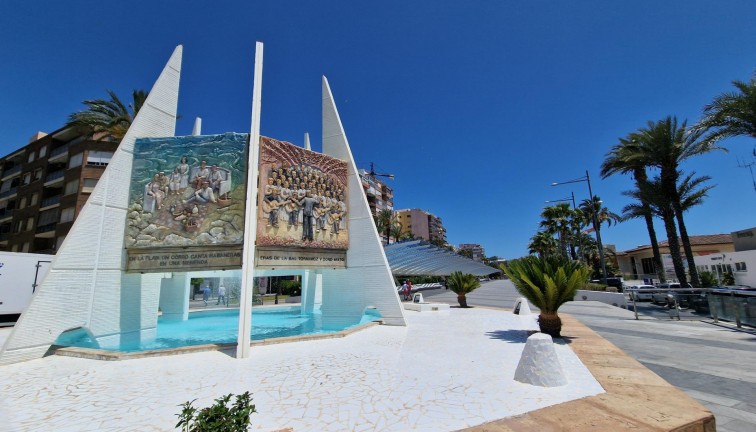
(206, 294)
(222, 295)
(405, 291)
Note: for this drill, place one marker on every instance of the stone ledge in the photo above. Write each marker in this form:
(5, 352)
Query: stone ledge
(635, 399)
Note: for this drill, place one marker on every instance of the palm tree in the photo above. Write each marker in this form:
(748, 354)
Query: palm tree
(665, 145)
(548, 283)
(623, 159)
(462, 284)
(107, 120)
(543, 243)
(731, 114)
(556, 220)
(653, 195)
(387, 224)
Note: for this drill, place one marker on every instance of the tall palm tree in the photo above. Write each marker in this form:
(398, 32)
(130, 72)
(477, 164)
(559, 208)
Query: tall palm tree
(652, 194)
(623, 159)
(665, 144)
(107, 120)
(543, 244)
(556, 220)
(732, 113)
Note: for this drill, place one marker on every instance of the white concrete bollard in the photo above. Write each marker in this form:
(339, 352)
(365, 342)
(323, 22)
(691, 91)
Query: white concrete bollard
(539, 364)
(521, 307)
(418, 298)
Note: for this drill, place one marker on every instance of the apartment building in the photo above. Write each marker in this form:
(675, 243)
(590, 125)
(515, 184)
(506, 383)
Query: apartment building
(379, 196)
(478, 253)
(44, 185)
(422, 224)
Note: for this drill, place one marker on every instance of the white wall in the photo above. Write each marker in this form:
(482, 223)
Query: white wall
(747, 277)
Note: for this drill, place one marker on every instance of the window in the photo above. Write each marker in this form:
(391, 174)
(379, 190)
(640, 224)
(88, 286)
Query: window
(75, 160)
(88, 185)
(59, 242)
(648, 265)
(30, 223)
(43, 152)
(31, 157)
(25, 248)
(67, 215)
(49, 216)
(37, 174)
(72, 187)
(34, 199)
(740, 267)
(14, 248)
(98, 158)
(27, 178)
(23, 203)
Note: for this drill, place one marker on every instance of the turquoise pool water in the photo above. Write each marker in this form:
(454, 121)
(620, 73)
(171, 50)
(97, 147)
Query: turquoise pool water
(210, 327)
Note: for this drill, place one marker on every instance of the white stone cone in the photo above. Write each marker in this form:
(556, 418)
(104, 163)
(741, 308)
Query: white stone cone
(521, 307)
(539, 364)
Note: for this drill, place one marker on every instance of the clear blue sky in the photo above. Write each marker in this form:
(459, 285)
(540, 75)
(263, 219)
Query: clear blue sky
(475, 106)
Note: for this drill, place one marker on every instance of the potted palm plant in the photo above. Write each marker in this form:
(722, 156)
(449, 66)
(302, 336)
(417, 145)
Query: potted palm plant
(462, 284)
(547, 282)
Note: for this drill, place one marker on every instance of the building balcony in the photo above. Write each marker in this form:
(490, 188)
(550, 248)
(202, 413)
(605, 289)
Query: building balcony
(4, 236)
(46, 231)
(9, 193)
(58, 154)
(49, 202)
(10, 172)
(6, 214)
(54, 177)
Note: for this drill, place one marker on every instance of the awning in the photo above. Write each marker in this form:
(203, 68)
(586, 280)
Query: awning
(420, 258)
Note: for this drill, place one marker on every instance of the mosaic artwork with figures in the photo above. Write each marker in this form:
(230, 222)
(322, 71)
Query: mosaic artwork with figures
(188, 191)
(302, 198)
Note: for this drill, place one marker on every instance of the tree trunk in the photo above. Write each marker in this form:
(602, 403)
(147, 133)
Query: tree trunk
(550, 324)
(658, 266)
(462, 300)
(674, 245)
(641, 178)
(687, 248)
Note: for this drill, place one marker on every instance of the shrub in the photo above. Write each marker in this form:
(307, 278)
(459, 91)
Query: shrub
(462, 284)
(548, 283)
(290, 287)
(219, 416)
(594, 287)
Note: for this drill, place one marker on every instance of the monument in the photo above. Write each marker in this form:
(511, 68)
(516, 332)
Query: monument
(168, 208)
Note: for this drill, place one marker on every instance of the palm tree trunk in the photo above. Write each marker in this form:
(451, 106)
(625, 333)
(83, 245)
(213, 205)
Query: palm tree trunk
(641, 178)
(687, 248)
(674, 245)
(658, 266)
(462, 300)
(550, 324)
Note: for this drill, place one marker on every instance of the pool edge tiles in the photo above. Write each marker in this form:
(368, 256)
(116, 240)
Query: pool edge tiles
(99, 354)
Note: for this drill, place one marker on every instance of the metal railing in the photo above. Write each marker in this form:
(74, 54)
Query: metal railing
(58, 151)
(55, 175)
(733, 305)
(10, 171)
(9, 192)
(50, 201)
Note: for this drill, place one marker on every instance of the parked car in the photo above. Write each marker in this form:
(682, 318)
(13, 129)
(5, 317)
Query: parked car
(660, 296)
(641, 292)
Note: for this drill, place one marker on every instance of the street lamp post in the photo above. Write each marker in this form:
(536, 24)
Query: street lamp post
(596, 226)
(572, 198)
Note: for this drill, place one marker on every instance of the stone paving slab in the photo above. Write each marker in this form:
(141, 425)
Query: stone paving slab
(442, 372)
(635, 399)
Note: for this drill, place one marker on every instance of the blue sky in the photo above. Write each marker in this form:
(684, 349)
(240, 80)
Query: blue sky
(475, 106)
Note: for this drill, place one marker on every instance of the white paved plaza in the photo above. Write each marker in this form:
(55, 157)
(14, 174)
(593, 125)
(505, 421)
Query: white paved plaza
(445, 371)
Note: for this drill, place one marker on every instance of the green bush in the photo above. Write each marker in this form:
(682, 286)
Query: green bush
(594, 287)
(290, 287)
(218, 417)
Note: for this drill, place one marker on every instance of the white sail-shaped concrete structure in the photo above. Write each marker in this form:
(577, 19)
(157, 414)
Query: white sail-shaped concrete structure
(86, 286)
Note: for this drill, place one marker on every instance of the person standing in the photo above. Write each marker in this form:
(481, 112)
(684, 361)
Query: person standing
(205, 294)
(222, 295)
(308, 204)
(405, 291)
